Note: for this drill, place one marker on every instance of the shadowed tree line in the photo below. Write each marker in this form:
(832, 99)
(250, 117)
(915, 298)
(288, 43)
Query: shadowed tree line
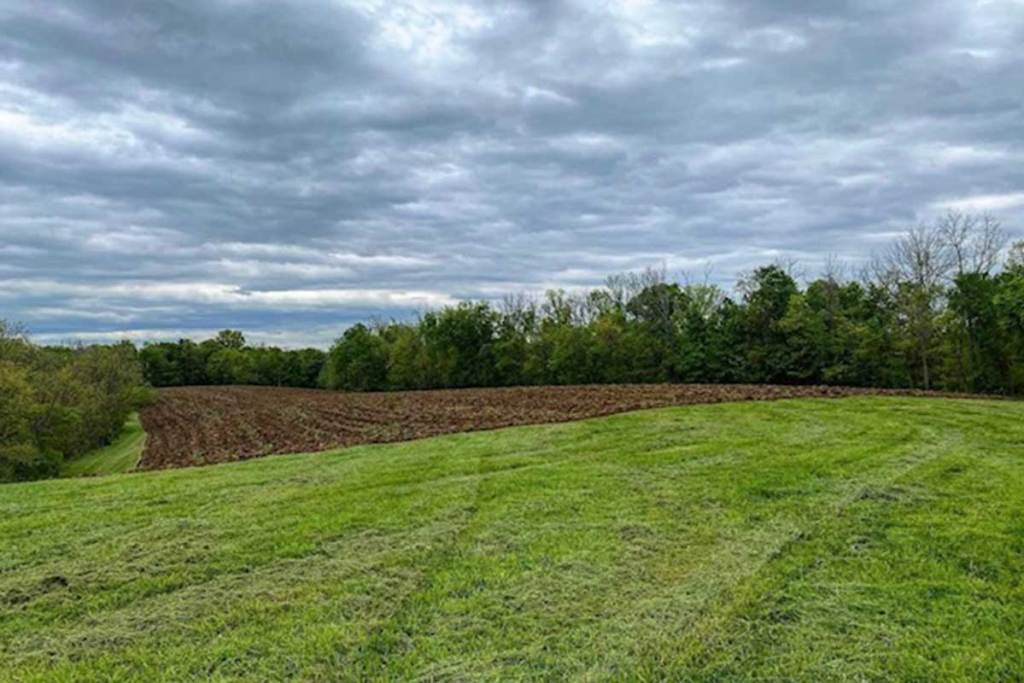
(227, 359)
(943, 307)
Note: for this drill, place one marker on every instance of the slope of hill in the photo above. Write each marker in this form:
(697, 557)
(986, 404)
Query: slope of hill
(857, 539)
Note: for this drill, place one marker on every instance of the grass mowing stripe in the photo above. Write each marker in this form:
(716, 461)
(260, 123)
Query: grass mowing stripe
(712, 631)
(649, 545)
(704, 582)
(879, 576)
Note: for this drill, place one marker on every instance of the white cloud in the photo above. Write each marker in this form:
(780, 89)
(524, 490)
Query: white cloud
(985, 202)
(225, 294)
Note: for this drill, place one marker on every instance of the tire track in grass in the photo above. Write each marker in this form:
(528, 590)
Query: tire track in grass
(374, 658)
(410, 486)
(709, 633)
(421, 623)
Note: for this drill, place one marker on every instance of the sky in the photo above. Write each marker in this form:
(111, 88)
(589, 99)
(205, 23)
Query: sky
(171, 168)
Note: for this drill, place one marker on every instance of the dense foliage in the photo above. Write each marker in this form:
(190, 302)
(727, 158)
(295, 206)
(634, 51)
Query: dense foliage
(57, 402)
(227, 359)
(936, 311)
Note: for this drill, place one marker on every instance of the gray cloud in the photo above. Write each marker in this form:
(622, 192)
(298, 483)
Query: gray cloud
(172, 168)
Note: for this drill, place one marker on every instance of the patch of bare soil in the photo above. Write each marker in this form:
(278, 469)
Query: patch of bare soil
(204, 425)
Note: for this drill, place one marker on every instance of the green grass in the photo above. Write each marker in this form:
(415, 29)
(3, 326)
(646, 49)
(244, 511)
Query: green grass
(813, 540)
(120, 456)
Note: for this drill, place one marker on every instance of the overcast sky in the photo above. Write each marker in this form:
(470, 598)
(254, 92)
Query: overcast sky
(286, 168)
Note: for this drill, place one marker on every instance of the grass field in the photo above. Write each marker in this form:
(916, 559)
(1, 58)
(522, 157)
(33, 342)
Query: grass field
(120, 456)
(812, 540)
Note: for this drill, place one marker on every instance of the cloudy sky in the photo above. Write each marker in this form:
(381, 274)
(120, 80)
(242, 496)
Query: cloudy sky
(174, 167)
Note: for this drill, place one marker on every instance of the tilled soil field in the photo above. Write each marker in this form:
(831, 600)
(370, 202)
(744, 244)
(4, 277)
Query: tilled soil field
(203, 425)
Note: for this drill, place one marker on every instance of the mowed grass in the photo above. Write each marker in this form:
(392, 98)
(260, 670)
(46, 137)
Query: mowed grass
(122, 455)
(810, 540)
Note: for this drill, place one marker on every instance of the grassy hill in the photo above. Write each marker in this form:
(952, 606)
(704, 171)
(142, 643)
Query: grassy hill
(854, 539)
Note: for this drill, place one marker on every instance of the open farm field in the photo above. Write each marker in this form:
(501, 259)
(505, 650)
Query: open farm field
(204, 425)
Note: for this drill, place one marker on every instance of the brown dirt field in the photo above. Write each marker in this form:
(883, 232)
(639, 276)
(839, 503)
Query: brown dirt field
(189, 426)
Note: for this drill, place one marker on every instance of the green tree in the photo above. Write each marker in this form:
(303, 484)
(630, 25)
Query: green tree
(570, 353)
(656, 311)
(459, 342)
(407, 359)
(229, 365)
(807, 338)
(230, 339)
(305, 366)
(14, 343)
(20, 456)
(977, 339)
(1008, 303)
(159, 364)
(766, 295)
(358, 361)
(913, 272)
(516, 333)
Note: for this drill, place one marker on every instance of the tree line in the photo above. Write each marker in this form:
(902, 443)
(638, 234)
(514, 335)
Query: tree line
(57, 403)
(228, 359)
(943, 307)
